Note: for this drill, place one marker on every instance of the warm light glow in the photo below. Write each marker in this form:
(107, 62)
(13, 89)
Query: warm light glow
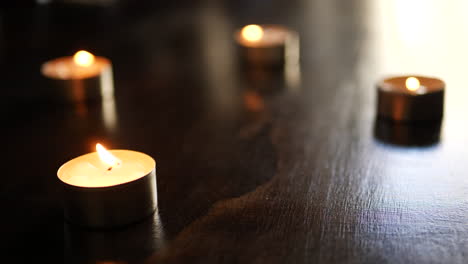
(252, 32)
(412, 84)
(83, 58)
(106, 156)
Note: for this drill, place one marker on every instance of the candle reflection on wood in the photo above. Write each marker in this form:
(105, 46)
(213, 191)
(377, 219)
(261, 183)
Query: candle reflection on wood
(132, 244)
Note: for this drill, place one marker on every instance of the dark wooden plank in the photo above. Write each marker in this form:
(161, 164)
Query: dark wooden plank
(262, 170)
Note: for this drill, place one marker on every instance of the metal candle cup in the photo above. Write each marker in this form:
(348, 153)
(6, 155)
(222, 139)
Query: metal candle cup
(99, 196)
(409, 99)
(267, 45)
(80, 78)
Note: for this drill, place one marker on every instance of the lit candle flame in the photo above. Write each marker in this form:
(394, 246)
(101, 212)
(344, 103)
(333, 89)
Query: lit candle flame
(412, 84)
(83, 58)
(107, 157)
(252, 32)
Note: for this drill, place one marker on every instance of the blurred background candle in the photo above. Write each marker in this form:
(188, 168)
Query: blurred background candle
(107, 189)
(267, 45)
(411, 98)
(80, 78)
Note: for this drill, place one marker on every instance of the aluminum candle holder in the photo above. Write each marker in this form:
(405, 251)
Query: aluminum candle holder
(108, 207)
(99, 196)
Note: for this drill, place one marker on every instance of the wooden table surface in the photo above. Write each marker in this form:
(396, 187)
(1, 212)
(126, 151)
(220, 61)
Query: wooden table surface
(252, 167)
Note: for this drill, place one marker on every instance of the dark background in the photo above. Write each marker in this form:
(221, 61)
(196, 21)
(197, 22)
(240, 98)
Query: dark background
(252, 167)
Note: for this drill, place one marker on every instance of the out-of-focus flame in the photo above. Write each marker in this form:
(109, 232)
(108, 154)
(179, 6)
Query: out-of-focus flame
(412, 84)
(106, 156)
(252, 32)
(83, 58)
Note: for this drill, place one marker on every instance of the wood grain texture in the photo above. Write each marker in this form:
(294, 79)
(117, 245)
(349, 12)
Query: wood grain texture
(252, 167)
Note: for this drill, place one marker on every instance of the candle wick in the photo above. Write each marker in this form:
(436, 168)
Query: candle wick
(110, 168)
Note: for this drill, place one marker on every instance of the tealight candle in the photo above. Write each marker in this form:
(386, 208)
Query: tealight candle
(80, 78)
(411, 98)
(106, 189)
(267, 45)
